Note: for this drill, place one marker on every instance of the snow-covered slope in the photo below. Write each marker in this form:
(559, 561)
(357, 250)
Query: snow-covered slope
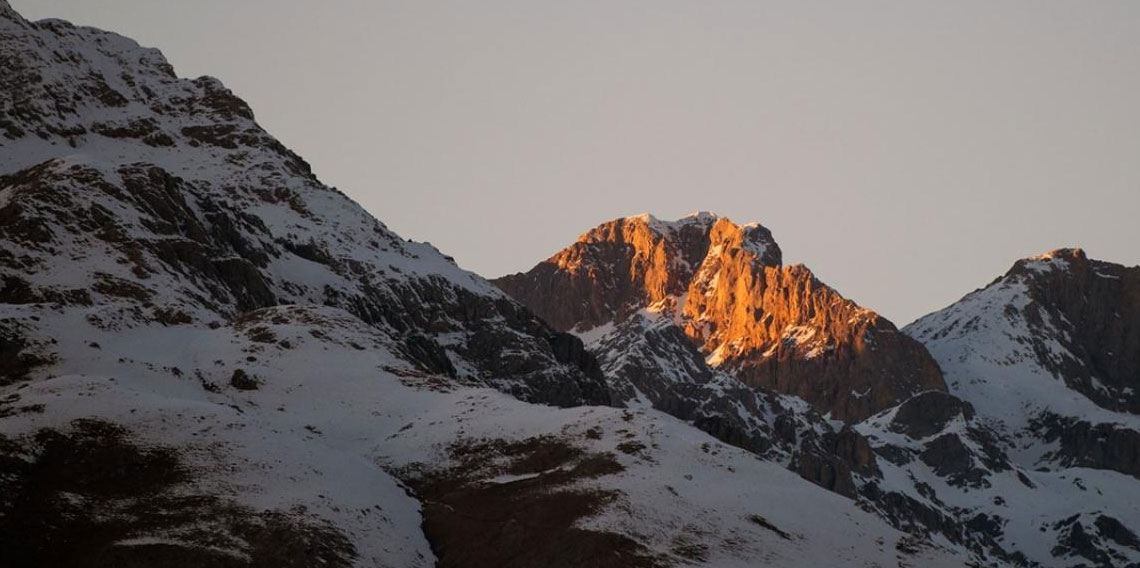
(1045, 355)
(209, 358)
(334, 413)
(140, 196)
(1016, 352)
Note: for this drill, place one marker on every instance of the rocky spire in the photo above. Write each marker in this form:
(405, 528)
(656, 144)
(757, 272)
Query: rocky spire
(629, 263)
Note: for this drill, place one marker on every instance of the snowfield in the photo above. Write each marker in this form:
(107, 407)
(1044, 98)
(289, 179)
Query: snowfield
(328, 424)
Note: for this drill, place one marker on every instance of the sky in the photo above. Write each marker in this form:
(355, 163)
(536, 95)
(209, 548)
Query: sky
(907, 151)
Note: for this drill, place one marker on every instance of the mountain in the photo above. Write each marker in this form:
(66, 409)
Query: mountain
(1047, 356)
(1059, 315)
(1051, 350)
(769, 325)
(208, 357)
(994, 463)
(164, 192)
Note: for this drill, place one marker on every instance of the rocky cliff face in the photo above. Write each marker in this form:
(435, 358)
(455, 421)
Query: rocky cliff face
(626, 264)
(1092, 309)
(770, 325)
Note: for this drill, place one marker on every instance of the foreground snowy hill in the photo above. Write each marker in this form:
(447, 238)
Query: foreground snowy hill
(207, 357)
(316, 448)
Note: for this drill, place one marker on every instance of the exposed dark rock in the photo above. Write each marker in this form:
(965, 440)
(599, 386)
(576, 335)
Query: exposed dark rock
(1100, 446)
(139, 128)
(757, 519)
(1112, 529)
(17, 360)
(429, 355)
(979, 534)
(1075, 540)
(1093, 311)
(950, 458)
(832, 460)
(527, 522)
(992, 456)
(894, 454)
(569, 349)
(241, 380)
(928, 413)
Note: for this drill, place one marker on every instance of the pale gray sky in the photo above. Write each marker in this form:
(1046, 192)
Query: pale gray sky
(907, 151)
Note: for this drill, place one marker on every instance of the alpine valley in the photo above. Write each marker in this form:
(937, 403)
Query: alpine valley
(209, 358)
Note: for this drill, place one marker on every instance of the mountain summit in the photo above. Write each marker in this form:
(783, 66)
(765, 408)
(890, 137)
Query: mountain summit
(724, 284)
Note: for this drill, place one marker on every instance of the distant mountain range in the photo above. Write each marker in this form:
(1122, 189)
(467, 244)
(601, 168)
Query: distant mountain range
(209, 358)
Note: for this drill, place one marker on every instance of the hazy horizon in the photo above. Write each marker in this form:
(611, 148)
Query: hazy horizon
(907, 152)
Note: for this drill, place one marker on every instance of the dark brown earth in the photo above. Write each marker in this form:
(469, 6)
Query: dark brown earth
(473, 523)
(76, 497)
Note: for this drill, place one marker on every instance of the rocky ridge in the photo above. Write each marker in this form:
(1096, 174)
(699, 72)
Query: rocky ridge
(769, 325)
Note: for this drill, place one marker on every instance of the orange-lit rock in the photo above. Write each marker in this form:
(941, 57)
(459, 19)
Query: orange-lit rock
(771, 325)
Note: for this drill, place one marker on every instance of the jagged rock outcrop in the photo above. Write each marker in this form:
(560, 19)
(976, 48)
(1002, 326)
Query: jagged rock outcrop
(769, 325)
(1054, 325)
(1092, 309)
(929, 413)
(1083, 444)
(786, 331)
(626, 264)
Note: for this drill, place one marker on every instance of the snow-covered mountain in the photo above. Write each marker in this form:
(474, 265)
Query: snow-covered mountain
(164, 193)
(207, 357)
(1048, 356)
(1009, 471)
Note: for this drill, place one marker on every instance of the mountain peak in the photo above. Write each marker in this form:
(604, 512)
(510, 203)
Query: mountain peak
(1077, 319)
(1063, 259)
(9, 13)
(725, 286)
(628, 263)
(695, 234)
(694, 219)
(1074, 253)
